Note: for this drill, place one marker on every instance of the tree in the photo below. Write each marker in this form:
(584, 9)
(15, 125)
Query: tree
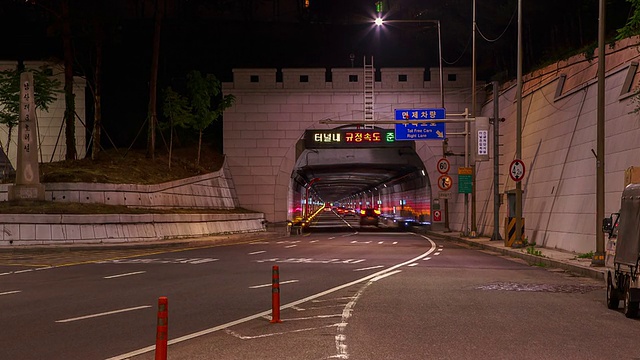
(632, 27)
(153, 82)
(177, 110)
(206, 103)
(45, 89)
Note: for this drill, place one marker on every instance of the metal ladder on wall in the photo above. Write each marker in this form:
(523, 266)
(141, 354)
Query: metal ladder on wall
(369, 83)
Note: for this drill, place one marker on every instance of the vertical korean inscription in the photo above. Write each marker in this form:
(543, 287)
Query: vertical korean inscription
(27, 161)
(27, 185)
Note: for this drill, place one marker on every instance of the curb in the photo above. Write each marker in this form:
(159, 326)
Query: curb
(530, 259)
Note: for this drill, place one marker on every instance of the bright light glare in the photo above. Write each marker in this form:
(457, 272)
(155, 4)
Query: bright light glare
(378, 22)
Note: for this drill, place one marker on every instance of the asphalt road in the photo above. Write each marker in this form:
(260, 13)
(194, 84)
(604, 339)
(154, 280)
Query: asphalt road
(346, 292)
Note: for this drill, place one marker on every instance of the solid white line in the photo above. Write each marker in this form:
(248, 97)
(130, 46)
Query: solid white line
(7, 273)
(385, 275)
(286, 306)
(369, 268)
(265, 285)
(127, 274)
(103, 314)
(10, 292)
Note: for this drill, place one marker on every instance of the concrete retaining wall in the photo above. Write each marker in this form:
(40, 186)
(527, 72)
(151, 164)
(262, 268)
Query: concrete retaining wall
(211, 191)
(59, 229)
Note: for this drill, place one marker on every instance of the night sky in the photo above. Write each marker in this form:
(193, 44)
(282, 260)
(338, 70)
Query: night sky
(215, 36)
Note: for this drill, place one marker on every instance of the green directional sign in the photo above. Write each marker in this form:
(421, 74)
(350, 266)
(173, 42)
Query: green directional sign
(465, 180)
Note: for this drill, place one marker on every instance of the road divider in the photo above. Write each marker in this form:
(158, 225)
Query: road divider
(275, 295)
(162, 328)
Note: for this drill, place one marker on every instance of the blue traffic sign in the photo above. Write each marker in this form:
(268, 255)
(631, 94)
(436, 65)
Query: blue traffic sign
(426, 131)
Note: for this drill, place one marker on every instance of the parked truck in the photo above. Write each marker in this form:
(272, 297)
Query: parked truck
(622, 252)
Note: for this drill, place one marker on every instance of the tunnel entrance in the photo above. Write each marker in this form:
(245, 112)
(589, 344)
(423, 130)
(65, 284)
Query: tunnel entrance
(356, 168)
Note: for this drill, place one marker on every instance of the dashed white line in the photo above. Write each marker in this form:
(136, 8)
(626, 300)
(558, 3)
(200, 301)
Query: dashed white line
(257, 252)
(123, 275)
(313, 241)
(436, 254)
(103, 314)
(369, 268)
(412, 265)
(22, 271)
(427, 258)
(290, 246)
(10, 292)
(266, 285)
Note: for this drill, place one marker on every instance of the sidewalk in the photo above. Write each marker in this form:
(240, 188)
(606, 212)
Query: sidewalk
(549, 257)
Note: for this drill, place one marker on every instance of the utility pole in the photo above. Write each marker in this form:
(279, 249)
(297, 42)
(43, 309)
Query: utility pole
(518, 240)
(496, 163)
(598, 257)
(474, 228)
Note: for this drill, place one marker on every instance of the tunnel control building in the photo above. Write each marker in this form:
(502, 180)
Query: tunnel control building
(264, 134)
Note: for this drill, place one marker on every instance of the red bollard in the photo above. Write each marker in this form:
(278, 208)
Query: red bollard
(161, 331)
(275, 295)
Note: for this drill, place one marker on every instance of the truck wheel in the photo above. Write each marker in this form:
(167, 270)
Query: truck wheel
(613, 300)
(630, 308)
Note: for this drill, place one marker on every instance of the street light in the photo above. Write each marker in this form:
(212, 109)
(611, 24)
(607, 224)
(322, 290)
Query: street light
(380, 21)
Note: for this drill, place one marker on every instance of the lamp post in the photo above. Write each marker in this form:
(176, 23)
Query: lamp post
(380, 21)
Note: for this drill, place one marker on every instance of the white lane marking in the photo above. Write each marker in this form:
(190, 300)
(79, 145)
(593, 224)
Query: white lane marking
(380, 242)
(259, 242)
(290, 246)
(395, 242)
(285, 306)
(313, 241)
(10, 292)
(414, 264)
(257, 252)
(7, 273)
(436, 254)
(427, 258)
(22, 271)
(369, 268)
(386, 274)
(103, 314)
(265, 285)
(331, 238)
(242, 337)
(122, 275)
(360, 242)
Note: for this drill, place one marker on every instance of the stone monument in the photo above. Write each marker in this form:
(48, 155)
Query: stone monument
(27, 185)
